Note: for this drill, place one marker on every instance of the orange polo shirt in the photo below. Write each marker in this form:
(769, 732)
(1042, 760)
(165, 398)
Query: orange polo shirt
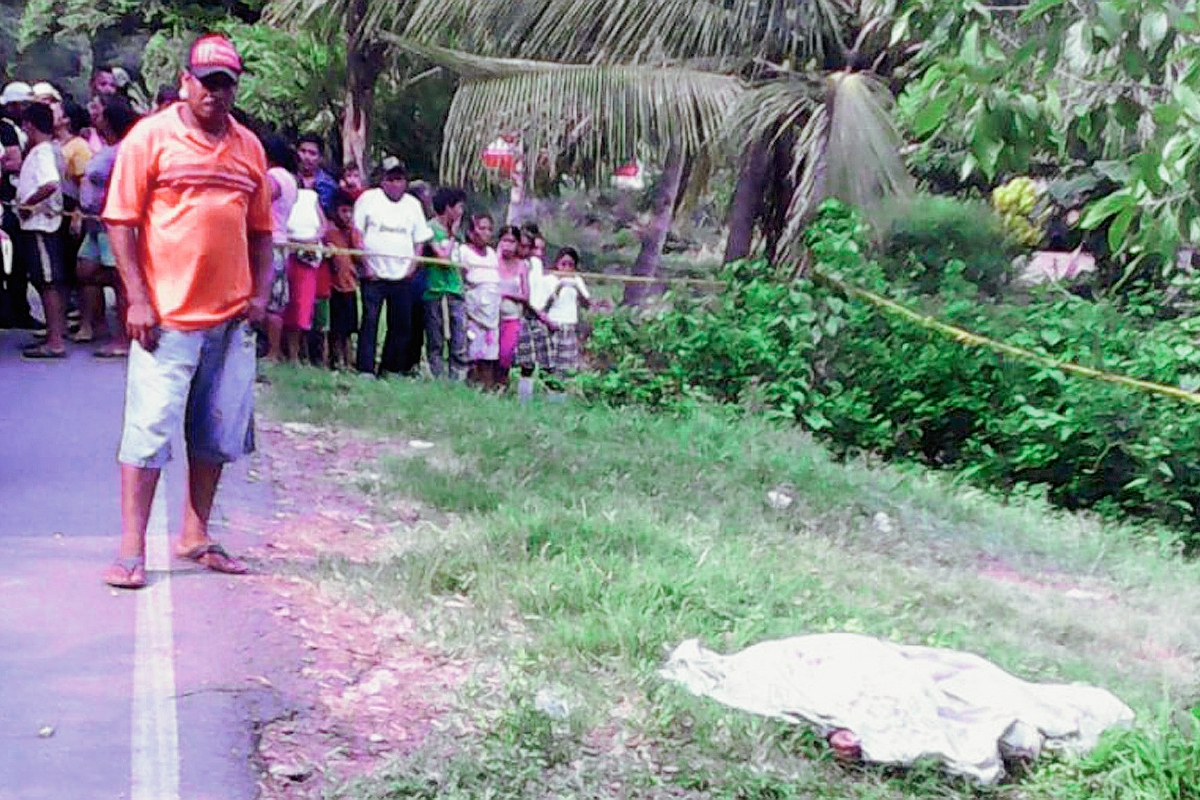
(194, 202)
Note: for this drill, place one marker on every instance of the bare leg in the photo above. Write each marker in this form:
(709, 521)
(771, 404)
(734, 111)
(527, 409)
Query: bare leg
(92, 320)
(202, 489)
(275, 337)
(291, 345)
(56, 318)
(339, 351)
(91, 325)
(323, 351)
(194, 541)
(137, 496)
(118, 344)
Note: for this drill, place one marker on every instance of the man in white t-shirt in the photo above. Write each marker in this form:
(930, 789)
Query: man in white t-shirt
(392, 224)
(39, 209)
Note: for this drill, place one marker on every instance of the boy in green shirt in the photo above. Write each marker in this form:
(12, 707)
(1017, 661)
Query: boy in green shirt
(445, 314)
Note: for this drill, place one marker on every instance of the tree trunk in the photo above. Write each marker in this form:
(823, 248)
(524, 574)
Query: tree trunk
(779, 189)
(747, 201)
(364, 61)
(655, 234)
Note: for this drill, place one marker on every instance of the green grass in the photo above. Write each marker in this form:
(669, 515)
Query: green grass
(587, 542)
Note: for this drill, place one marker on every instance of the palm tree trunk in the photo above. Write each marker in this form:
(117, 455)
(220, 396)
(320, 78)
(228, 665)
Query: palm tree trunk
(779, 188)
(655, 234)
(747, 201)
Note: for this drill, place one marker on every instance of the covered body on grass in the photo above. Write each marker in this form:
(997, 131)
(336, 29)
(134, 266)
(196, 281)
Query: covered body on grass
(903, 703)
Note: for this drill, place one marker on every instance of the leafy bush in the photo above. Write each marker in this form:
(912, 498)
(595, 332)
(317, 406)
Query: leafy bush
(678, 353)
(1160, 761)
(868, 381)
(918, 238)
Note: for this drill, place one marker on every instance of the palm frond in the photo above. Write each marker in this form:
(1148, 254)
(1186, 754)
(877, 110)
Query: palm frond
(633, 31)
(862, 152)
(773, 109)
(599, 115)
(332, 16)
(848, 150)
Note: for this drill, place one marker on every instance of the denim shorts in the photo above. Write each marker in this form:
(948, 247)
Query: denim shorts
(95, 247)
(202, 380)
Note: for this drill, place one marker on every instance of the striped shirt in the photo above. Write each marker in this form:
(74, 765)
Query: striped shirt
(194, 202)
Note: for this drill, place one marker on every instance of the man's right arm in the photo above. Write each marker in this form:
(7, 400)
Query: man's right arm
(141, 320)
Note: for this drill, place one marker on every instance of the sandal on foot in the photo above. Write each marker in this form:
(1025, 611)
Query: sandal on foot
(110, 353)
(213, 556)
(126, 573)
(40, 352)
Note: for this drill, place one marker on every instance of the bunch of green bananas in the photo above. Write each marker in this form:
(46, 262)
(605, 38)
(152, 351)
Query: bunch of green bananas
(1017, 204)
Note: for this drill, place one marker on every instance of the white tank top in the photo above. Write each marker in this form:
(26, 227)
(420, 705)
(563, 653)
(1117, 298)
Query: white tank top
(304, 223)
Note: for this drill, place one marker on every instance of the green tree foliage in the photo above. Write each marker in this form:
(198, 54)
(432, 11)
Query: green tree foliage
(293, 82)
(1110, 88)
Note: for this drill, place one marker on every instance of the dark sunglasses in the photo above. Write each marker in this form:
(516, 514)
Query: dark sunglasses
(216, 82)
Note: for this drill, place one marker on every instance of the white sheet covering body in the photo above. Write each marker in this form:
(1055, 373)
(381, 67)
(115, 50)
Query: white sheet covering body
(903, 702)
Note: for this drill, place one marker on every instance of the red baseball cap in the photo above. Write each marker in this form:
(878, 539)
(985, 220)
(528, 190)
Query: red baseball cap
(212, 54)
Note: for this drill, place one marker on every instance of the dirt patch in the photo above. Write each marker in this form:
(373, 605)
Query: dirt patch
(322, 481)
(372, 693)
(997, 570)
(362, 690)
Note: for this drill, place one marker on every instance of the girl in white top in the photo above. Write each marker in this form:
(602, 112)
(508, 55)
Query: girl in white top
(481, 276)
(567, 292)
(306, 225)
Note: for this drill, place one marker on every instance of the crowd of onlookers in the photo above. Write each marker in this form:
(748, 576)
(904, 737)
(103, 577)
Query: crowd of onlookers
(475, 298)
(471, 297)
(56, 157)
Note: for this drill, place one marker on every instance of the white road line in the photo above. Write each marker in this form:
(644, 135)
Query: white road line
(155, 746)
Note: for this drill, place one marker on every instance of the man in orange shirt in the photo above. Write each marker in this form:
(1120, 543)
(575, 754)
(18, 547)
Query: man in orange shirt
(189, 220)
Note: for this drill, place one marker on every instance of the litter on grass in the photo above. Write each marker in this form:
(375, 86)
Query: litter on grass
(903, 703)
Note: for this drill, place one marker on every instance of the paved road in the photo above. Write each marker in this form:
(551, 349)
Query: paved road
(67, 642)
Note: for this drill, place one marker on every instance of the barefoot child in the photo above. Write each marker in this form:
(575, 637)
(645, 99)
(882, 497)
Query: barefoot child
(343, 297)
(567, 293)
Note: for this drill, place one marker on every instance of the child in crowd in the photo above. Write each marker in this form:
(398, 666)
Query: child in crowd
(345, 269)
(111, 115)
(481, 274)
(445, 320)
(317, 340)
(567, 293)
(352, 183)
